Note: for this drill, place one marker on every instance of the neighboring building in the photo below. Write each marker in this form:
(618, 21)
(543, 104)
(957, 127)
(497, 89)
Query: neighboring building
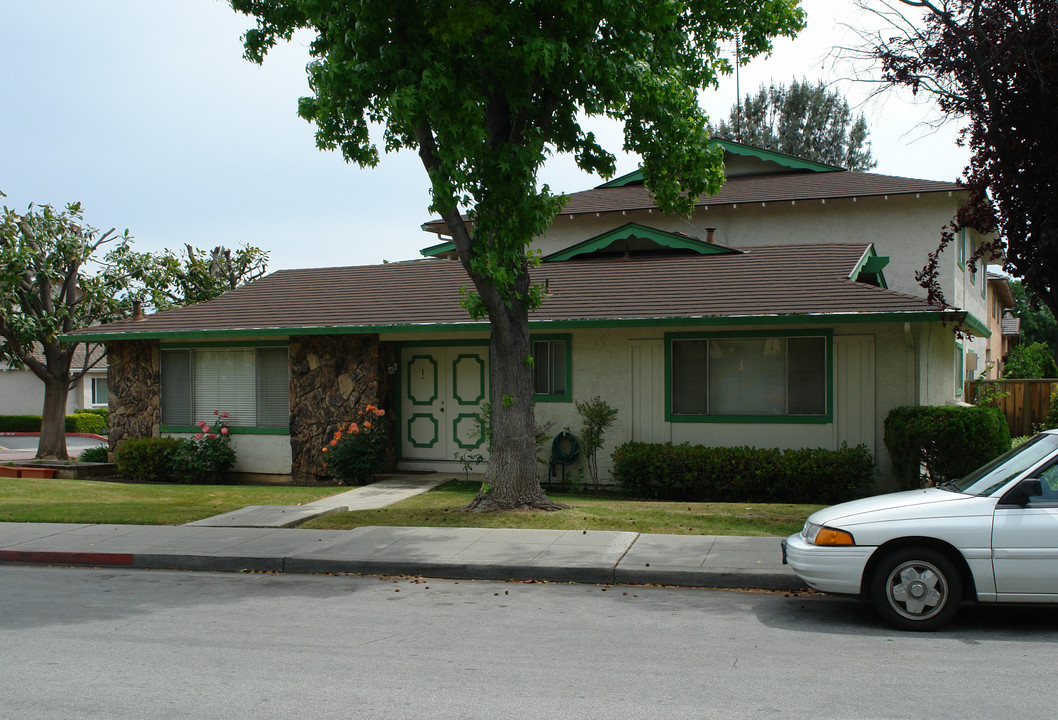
(22, 392)
(784, 313)
(1005, 328)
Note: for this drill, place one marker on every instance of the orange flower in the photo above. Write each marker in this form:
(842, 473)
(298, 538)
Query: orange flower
(325, 449)
(334, 442)
(370, 408)
(354, 428)
(379, 412)
(367, 423)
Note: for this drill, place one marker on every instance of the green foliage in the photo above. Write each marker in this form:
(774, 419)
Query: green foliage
(1037, 320)
(1051, 421)
(100, 411)
(696, 473)
(86, 422)
(1030, 361)
(596, 416)
(358, 450)
(81, 421)
(205, 458)
(144, 459)
(804, 120)
(948, 441)
(168, 280)
(97, 454)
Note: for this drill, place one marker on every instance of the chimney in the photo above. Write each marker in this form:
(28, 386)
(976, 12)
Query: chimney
(710, 235)
(137, 310)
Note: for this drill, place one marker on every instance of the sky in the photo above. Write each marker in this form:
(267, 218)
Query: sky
(147, 114)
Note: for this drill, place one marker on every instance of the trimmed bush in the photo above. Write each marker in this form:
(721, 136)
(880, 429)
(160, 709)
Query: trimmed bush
(948, 441)
(81, 421)
(86, 422)
(94, 454)
(144, 459)
(696, 473)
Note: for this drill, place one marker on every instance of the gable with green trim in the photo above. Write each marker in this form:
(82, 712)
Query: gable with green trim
(636, 238)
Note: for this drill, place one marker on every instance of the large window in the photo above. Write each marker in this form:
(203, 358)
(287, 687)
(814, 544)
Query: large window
(551, 368)
(250, 384)
(746, 378)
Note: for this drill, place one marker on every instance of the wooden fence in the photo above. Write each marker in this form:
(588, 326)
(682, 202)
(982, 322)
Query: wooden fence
(1023, 402)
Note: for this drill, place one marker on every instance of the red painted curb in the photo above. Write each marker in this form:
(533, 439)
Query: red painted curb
(65, 558)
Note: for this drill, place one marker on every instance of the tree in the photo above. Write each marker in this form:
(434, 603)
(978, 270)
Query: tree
(804, 120)
(1037, 323)
(993, 65)
(1030, 361)
(485, 92)
(46, 292)
(170, 280)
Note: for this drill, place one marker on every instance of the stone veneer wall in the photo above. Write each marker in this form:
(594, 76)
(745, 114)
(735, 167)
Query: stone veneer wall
(135, 390)
(331, 377)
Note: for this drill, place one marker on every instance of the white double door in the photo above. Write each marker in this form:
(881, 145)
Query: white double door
(442, 389)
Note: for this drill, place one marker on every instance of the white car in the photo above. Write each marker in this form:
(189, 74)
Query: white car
(991, 536)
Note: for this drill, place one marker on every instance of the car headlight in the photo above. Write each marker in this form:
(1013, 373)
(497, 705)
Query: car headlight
(820, 535)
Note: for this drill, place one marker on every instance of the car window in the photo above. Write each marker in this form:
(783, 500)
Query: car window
(989, 478)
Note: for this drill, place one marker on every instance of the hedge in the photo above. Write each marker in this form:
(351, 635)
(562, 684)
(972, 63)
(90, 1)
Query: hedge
(948, 441)
(79, 422)
(145, 459)
(696, 473)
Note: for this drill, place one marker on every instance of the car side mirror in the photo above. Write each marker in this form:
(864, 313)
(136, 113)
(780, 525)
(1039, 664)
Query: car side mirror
(1025, 490)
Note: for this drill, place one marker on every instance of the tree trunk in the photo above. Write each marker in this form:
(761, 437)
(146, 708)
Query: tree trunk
(511, 480)
(52, 445)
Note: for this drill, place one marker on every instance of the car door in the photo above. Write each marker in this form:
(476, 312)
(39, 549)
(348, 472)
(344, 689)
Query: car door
(1025, 542)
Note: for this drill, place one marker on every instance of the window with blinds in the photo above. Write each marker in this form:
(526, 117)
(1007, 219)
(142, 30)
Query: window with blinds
(250, 384)
(754, 376)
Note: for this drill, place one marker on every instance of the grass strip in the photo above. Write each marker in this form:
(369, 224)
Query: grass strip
(442, 508)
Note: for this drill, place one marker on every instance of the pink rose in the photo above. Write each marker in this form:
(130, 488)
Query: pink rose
(224, 414)
(216, 412)
(212, 436)
(224, 431)
(198, 436)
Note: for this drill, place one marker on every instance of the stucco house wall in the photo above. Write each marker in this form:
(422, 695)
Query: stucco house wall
(22, 393)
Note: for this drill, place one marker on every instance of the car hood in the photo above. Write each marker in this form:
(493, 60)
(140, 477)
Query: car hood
(896, 506)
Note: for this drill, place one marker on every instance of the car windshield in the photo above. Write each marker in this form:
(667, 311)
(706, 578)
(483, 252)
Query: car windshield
(989, 478)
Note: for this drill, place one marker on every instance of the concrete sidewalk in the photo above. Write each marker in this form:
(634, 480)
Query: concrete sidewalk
(264, 538)
(457, 553)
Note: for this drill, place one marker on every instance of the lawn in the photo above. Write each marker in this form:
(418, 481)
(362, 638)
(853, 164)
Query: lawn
(441, 508)
(88, 501)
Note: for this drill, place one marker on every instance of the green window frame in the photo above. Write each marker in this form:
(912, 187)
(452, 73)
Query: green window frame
(250, 382)
(960, 361)
(552, 367)
(749, 377)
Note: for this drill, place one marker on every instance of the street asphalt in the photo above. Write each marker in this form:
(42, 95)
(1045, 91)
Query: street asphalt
(265, 539)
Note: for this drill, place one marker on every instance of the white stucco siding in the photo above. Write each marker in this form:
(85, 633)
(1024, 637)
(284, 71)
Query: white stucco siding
(264, 454)
(22, 393)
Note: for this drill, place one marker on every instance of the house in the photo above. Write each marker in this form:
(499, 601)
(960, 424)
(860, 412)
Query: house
(1005, 329)
(22, 392)
(784, 313)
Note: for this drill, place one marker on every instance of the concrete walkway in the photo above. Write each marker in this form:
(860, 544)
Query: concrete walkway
(261, 538)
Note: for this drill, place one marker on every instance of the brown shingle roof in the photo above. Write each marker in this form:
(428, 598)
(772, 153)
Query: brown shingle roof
(764, 188)
(761, 282)
(779, 187)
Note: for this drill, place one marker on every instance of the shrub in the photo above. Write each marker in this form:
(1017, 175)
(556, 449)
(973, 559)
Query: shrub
(207, 457)
(94, 454)
(1051, 421)
(696, 473)
(356, 451)
(81, 421)
(596, 416)
(1030, 361)
(86, 422)
(100, 411)
(144, 459)
(948, 441)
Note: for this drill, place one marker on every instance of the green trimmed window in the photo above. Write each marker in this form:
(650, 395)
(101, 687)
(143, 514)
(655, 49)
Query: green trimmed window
(251, 384)
(551, 368)
(745, 378)
(959, 369)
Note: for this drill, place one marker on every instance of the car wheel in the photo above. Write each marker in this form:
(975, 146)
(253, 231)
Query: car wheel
(916, 589)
